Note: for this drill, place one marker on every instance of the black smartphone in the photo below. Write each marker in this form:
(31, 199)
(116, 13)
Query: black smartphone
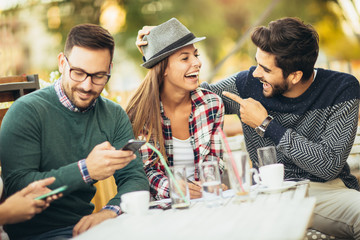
(53, 192)
(133, 145)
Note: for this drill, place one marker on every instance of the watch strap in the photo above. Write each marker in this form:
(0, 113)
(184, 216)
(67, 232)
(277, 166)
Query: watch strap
(262, 128)
(266, 122)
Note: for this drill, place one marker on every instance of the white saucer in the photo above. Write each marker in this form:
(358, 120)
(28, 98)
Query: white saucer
(286, 185)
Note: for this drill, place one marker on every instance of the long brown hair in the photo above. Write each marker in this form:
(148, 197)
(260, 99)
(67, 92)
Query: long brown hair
(143, 108)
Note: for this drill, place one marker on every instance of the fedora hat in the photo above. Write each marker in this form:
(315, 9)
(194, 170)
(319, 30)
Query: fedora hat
(164, 40)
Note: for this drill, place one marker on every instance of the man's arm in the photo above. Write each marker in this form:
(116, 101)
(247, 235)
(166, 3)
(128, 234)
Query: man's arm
(229, 85)
(132, 177)
(326, 157)
(20, 152)
(129, 178)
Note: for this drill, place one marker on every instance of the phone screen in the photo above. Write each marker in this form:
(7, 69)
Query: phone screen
(133, 145)
(55, 191)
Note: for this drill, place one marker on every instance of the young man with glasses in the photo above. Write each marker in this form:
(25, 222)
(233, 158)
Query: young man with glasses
(72, 133)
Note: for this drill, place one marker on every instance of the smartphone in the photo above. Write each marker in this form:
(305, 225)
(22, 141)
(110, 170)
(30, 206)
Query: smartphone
(133, 145)
(53, 192)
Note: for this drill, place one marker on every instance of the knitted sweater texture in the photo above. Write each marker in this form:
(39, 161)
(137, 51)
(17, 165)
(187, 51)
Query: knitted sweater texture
(313, 133)
(41, 138)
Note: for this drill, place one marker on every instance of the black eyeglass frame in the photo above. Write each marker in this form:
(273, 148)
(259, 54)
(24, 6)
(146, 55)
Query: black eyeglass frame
(87, 74)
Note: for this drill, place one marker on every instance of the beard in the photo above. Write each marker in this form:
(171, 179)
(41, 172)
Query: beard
(276, 89)
(70, 93)
(77, 103)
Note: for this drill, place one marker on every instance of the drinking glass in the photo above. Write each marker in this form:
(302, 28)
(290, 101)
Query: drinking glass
(266, 155)
(211, 183)
(179, 190)
(240, 174)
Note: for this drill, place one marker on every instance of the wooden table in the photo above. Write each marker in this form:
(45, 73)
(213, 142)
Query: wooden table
(282, 215)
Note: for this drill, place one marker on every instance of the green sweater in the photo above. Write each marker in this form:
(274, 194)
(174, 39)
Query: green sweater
(40, 138)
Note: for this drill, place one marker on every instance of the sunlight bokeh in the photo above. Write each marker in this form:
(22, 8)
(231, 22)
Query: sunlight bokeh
(32, 33)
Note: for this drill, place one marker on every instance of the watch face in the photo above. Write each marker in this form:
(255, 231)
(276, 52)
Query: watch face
(260, 131)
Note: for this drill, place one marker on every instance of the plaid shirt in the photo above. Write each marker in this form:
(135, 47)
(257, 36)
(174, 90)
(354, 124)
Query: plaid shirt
(206, 117)
(65, 101)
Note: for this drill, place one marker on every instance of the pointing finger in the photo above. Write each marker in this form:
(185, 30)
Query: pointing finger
(233, 97)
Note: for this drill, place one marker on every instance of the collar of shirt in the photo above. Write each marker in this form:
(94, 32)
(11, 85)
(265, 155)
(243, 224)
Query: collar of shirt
(65, 101)
(196, 118)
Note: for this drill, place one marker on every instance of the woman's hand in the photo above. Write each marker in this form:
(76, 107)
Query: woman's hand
(195, 189)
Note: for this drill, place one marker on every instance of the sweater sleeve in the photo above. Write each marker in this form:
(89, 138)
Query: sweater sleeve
(132, 177)
(229, 85)
(20, 152)
(326, 157)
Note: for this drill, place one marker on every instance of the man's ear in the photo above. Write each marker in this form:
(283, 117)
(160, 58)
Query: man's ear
(61, 62)
(295, 77)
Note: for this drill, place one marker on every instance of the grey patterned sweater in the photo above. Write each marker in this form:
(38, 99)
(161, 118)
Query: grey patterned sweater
(313, 133)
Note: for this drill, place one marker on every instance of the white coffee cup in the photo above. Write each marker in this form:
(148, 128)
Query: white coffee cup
(272, 175)
(135, 203)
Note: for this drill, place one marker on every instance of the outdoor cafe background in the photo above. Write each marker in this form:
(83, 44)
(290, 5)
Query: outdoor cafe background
(32, 33)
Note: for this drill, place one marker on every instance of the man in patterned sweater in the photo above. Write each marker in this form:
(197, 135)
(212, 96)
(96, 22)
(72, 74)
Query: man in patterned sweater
(310, 115)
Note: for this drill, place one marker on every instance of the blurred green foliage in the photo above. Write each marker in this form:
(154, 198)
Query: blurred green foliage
(223, 22)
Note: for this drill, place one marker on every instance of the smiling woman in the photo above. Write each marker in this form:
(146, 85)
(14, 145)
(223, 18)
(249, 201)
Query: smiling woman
(171, 111)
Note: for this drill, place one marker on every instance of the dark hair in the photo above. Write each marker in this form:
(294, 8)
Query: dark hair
(294, 44)
(89, 36)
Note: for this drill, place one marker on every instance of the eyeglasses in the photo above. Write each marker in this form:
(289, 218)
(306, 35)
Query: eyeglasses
(79, 75)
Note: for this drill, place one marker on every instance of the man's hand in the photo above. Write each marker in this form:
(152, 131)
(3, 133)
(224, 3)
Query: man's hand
(92, 220)
(104, 160)
(252, 113)
(139, 42)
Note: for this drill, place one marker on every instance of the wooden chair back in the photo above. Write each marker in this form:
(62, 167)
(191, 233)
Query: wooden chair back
(13, 87)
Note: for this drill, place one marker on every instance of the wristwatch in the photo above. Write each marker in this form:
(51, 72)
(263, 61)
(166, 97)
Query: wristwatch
(262, 128)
